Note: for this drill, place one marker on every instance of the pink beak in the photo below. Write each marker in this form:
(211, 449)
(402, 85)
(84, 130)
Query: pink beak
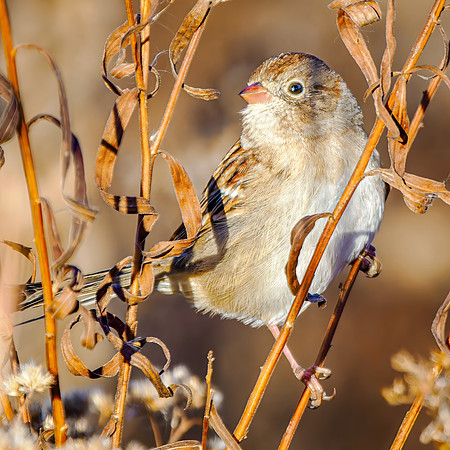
(255, 93)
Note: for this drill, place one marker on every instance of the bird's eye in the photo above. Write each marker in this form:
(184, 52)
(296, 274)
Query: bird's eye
(295, 88)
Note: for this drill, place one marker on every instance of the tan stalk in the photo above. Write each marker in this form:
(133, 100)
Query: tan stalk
(272, 359)
(7, 408)
(39, 235)
(131, 317)
(146, 175)
(325, 347)
(413, 412)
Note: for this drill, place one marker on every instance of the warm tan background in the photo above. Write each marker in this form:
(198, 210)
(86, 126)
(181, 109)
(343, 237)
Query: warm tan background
(384, 315)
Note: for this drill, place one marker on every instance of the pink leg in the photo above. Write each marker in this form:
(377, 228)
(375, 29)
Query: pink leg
(307, 376)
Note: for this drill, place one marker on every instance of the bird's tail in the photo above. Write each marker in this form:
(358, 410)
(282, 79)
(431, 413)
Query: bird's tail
(32, 294)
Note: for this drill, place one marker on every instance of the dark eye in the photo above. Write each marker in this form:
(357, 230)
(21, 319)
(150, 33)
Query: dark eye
(295, 88)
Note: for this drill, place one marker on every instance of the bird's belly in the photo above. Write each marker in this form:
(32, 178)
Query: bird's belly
(248, 281)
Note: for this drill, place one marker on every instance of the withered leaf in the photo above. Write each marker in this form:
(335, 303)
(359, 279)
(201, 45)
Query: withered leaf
(357, 47)
(25, 251)
(71, 156)
(398, 149)
(102, 297)
(66, 288)
(186, 196)
(114, 45)
(186, 445)
(132, 352)
(439, 325)
(76, 365)
(9, 117)
(418, 192)
(116, 124)
(194, 19)
(364, 13)
(298, 235)
(219, 427)
(123, 70)
(190, 212)
(388, 55)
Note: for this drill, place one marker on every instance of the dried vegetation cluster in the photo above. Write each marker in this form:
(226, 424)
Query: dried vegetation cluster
(91, 419)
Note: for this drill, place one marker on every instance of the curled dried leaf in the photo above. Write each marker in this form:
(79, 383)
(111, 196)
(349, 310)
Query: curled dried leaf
(9, 116)
(364, 13)
(102, 292)
(71, 157)
(187, 390)
(66, 287)
(189, 208)
(298, 235)
(25, 251)
(194, 19)
(438, 326)
(115, 45)
(115, 127)
(356, 45)
(418, 192)
(129, 349)
(75, 364)
(123, 70)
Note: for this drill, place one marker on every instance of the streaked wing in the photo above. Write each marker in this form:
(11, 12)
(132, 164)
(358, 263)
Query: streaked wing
(224, 191)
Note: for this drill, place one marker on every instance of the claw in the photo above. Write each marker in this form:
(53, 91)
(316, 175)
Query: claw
(311, 378)
(370, 265)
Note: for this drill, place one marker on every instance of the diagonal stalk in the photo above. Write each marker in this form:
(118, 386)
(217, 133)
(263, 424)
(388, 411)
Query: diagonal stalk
(325, 347)
(274, 355)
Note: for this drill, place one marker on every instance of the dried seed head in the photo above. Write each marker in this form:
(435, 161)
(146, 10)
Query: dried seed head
(33, 378)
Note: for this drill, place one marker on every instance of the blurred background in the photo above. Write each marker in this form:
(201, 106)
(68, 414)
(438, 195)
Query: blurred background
(384, 315)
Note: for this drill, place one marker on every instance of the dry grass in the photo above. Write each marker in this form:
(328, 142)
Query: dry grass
(91, 419)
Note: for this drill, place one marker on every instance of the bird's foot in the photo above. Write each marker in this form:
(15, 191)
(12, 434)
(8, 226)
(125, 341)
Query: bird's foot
(317, 298)
(311, 378)
(370, 264)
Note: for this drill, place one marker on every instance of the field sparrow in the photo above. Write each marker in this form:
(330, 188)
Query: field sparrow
(302, 135)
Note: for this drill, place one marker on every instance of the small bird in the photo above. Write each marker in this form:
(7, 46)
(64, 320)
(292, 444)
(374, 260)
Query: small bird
(302, 135)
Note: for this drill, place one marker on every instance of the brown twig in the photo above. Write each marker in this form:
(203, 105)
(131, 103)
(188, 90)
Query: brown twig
(39, 234)
(131, 317)
(140, 55)
(177, 87)
(325, 347)
(272, 359)
(411, 415)
(208, 401)
(7, 408)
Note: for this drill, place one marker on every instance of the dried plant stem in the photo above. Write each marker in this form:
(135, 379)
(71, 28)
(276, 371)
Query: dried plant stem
(140, 55)
(325, 347)
(177, 86)
(39, 235)
(9, 413)
(272, 359)
(208, 401)
(411, 415)
(131, 317)
(156, 431)
(408, 422)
